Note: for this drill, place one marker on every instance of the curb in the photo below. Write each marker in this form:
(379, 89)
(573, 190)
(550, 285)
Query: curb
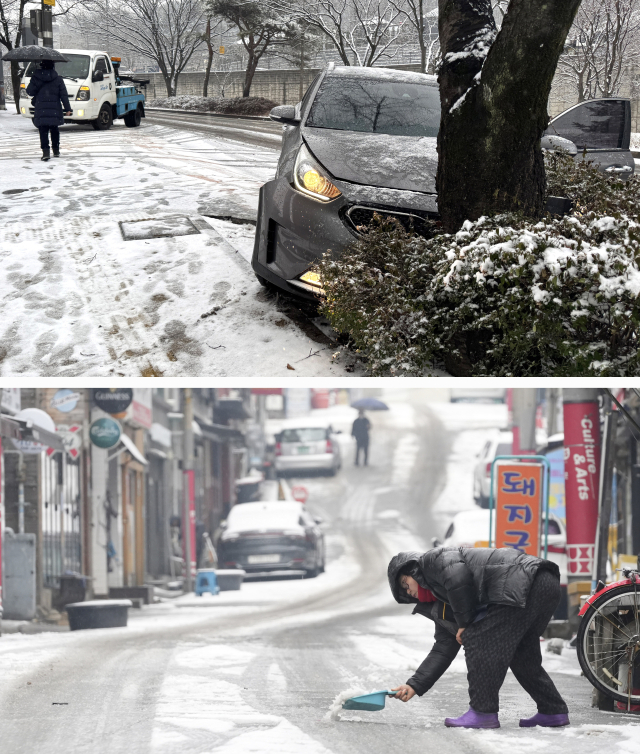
(205, 113)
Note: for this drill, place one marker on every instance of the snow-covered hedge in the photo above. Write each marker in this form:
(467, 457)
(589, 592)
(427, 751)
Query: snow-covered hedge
(230, 106)
(505, 296)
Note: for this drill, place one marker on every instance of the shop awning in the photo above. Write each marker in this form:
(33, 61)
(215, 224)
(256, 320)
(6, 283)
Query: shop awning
(126, 443)
(232, 408)
(21, 429)
(221, 433)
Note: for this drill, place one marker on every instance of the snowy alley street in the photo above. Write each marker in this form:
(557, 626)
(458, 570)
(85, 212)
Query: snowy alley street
(257, 670)
(79, 299)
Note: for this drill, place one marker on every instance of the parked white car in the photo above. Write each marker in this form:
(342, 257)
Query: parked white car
(471, 529)
(307, 446)
(477, 394)
(500, 445)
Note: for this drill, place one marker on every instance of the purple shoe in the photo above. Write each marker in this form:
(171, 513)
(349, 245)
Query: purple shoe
(545, 721)
(473, 719)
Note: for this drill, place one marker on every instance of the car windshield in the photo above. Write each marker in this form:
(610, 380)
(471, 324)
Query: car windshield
(593, 125)
(346, 103)
(503, 449)
(304, 434)
(253, 516)
(76, 68)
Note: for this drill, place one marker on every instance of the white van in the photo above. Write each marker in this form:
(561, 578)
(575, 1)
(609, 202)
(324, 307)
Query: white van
(90, 81)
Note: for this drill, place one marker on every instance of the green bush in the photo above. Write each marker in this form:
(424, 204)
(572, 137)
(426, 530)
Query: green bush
(506, 295)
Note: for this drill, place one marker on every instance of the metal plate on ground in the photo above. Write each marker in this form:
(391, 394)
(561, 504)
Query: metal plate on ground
(159, 227)
(225, 208)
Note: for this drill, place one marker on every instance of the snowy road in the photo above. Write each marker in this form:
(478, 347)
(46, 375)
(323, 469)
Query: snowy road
(79, 299)
(257, 670)
(257, 132)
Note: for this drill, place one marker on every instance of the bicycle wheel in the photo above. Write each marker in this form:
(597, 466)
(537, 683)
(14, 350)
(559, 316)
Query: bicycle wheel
(608, 643)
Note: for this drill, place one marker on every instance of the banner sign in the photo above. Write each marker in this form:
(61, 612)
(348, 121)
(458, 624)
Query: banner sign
(113, 400)
(519, 498)
(105, 432)
(582, 480)
(190, 528)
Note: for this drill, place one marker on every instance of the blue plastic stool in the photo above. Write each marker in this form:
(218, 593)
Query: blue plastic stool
(206, 581)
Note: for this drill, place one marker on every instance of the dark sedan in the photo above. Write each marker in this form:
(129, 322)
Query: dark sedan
(272, 537)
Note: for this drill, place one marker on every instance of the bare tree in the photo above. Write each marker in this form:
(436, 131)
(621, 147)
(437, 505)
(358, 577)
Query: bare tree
(422, 21)
(257, 27)
(362, 31)
(603, 42)
(210, 30)
(494, 88)
(165, 31)
(11, 15)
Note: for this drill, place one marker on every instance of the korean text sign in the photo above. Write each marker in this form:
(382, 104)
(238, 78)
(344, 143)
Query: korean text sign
(518, 506)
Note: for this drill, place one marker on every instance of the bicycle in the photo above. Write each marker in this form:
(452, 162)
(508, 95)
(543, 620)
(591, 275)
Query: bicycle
(608, 640)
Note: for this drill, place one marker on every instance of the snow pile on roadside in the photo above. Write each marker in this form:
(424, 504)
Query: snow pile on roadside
(227, 105)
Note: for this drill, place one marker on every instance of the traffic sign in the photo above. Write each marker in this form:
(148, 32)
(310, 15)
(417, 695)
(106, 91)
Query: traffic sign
(300, 493)
(48, 2)
(221, 50)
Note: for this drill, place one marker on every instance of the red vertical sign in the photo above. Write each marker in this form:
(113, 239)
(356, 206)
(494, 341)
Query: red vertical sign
(582, 480)
(190, 525)
(1, 523)
(519, 506)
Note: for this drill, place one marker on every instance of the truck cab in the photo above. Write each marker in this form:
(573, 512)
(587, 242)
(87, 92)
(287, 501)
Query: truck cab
(94, 86)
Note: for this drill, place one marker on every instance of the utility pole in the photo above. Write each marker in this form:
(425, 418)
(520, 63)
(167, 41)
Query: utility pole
(605, 493)
(47, 22)
(3, 105)
(188, 488)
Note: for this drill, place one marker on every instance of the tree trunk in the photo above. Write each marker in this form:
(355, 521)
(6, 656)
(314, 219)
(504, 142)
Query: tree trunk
(252, 64)
(494, 90)
(207, 73)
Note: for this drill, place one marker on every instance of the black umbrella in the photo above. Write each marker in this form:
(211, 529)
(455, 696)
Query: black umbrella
(370, 404)
(35, 53)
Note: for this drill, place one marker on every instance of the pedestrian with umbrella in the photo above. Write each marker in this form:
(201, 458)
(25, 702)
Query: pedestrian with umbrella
(494, 602)
(49, 94)
(362, 426)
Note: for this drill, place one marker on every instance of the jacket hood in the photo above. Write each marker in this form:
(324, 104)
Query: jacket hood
(398, 563)
(407, 163)
(45, 75)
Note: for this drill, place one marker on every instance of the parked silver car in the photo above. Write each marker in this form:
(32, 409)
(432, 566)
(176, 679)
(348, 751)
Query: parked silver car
(307, 448)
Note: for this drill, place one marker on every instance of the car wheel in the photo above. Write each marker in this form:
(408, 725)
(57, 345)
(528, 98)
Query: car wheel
(104, 120)
(132, 119)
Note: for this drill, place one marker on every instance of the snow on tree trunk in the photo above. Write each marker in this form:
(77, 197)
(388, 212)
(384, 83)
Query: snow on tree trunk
(494, 88)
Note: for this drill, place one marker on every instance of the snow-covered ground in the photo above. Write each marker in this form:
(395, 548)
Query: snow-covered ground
(79, 299)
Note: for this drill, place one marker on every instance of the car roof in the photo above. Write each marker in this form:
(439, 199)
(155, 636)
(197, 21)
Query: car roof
(383, 74)
(84, 52)
(262, 506)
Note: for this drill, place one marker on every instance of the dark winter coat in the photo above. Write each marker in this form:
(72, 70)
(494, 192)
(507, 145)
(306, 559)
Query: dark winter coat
(360, 430)
(469, 577)
(48, 92)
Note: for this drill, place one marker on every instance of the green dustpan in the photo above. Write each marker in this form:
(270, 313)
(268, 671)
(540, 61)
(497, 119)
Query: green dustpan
(371, 702)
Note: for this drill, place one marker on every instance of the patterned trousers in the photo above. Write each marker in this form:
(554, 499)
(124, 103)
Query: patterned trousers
(509, 637)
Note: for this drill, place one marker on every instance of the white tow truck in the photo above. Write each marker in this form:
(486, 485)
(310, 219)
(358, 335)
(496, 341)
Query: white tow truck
(98, 94)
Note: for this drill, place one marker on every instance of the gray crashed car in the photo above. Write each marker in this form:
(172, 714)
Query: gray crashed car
(364, 140)
(361, 140)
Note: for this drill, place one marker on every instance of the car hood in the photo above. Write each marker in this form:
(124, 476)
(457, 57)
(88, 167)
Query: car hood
(382, 160)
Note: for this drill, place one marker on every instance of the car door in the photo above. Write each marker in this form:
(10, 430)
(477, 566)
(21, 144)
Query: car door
(601, 130)
(106, 87)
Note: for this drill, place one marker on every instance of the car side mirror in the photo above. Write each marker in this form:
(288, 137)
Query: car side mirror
(284, 114)
(318, 520)
(97, 76)
(555, 143)
(338, 431)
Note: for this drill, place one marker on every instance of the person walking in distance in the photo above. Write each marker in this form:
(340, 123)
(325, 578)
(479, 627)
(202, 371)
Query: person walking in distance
(360, 431)
(49, 94)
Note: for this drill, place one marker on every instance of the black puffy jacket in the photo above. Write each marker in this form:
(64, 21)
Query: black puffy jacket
(48, 92)
(467, 577)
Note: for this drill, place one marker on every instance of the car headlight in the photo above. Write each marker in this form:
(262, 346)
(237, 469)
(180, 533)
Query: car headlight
(23, 92)
(83, 93)
(309, 178)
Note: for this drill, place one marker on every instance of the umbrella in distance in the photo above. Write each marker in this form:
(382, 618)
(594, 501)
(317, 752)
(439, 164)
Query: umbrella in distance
(35, 53)
(369, 404)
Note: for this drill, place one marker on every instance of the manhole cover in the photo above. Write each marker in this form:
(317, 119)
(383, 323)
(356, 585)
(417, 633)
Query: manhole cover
(137, 230)
(14, 191)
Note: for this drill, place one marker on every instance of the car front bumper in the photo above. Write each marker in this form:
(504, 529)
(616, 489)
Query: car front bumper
(294, 230)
